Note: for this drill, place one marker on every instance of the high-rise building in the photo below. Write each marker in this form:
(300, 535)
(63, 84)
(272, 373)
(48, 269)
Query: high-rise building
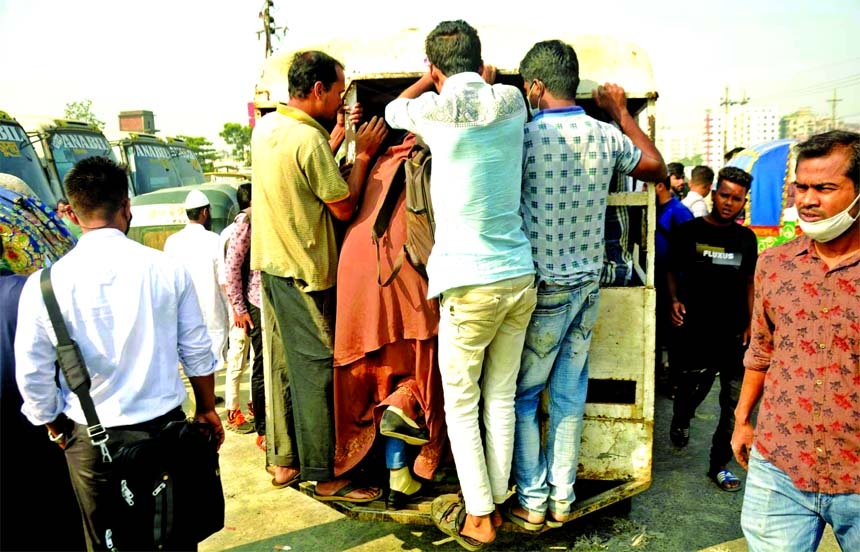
(677, 142)
(738, 125)
(803, 123)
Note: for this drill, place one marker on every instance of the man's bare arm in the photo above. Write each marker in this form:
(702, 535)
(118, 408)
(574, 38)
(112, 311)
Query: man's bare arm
(742, 438)
(424, 84)
(651, 167)
(204, 400)
(368, 138)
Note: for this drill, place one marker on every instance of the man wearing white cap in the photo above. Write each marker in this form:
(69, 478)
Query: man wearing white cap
(196, 248)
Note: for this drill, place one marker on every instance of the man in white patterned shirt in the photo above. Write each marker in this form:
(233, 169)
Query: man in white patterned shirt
(481, 265)
(568, 162)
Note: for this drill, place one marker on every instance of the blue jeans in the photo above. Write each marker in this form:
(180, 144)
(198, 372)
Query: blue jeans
(555, 357)
(395, 453)
(776, 516)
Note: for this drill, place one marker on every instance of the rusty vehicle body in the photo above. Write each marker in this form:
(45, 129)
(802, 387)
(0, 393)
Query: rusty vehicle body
(615, 459)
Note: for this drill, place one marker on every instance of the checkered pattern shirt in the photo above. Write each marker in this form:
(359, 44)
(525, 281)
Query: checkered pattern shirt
(568, 162)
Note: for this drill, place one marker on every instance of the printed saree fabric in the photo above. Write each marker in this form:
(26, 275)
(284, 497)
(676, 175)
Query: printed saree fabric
(33, 236)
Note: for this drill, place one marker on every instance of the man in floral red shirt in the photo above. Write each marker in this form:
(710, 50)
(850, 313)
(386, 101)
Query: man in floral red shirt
(804, 363)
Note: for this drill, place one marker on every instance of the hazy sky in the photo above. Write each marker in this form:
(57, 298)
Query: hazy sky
(194, 62)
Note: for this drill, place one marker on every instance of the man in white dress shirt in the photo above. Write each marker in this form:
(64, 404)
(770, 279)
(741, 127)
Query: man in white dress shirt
(196, 248)
(134, 315)
(701, 180)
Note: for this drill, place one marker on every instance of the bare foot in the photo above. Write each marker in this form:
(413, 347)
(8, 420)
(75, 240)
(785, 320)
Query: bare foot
(283, 474)
(530, 517)
(558, 517)
(330, 488)
(496, 517)
(479, 528)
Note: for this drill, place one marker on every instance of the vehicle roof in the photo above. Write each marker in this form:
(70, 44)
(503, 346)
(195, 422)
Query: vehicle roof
(126, 137)
(401, 54)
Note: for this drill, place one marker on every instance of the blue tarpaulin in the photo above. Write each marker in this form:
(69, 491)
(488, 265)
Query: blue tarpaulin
(768, 164)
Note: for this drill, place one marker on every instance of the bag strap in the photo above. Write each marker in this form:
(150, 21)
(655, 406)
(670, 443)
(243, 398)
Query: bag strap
(73, 366)
(383, 219)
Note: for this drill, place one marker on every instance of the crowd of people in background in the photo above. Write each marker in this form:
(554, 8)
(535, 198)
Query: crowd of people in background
(349, 378)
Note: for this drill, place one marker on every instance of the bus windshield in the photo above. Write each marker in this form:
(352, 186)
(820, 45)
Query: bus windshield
(17, 157)
(69, 147)
(151, 167)
(187, 165)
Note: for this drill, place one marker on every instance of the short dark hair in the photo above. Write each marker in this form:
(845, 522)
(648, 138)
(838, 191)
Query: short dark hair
(194, 214)
(675, 169)
(555, 64)
(96, 187)
(308, 68)
(822, 145)
(62, 201)
(735, 176)
(454, 47)
(243, 195)
(703, 174)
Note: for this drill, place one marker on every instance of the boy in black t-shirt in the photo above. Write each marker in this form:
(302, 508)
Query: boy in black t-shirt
(711, 267)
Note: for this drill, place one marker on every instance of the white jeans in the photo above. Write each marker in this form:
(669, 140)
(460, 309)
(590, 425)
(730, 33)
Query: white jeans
(481, 334)
(238, 354)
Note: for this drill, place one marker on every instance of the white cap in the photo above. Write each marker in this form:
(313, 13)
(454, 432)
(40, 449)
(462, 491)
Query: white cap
(195, 199)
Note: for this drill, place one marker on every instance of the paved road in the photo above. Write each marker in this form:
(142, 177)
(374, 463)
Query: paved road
(682, 511)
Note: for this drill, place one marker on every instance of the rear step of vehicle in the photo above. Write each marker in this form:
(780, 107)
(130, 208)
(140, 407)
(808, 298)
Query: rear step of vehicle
(591, 495)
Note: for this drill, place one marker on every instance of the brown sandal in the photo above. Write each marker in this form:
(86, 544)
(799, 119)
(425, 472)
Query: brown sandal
(449, 516)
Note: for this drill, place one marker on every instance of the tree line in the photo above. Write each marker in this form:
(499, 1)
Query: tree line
(237, 136)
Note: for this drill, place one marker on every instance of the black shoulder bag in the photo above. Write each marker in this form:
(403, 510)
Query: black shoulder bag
(165, 491)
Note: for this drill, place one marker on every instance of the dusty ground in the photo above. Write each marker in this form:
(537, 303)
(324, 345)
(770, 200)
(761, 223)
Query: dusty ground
(682, 510)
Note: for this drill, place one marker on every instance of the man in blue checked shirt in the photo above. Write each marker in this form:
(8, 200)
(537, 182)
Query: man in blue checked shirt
(569, 159)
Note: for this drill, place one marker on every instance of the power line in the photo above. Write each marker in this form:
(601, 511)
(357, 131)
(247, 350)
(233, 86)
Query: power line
(844, 82)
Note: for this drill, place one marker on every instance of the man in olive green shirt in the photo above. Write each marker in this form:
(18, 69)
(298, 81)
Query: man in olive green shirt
(298, 191)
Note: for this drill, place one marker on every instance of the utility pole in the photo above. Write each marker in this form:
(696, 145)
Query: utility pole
(833, 103)
(725, 102)
(269, 28)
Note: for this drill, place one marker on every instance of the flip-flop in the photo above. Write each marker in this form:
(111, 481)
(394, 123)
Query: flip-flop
(724, 479)
(521, 521)
(449, 515)
(555, 523)
(341, 495)
(288, 483)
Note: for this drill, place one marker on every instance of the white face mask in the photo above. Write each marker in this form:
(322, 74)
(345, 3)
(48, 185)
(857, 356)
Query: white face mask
(828, 229)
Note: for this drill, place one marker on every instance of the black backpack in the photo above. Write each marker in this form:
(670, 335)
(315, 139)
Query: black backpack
(413, 178)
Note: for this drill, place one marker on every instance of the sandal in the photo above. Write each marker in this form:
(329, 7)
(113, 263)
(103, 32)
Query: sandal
(555, 522)
(521, 521)
(288, 483)
(449, 516)
(341, 494)
(726, 480)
